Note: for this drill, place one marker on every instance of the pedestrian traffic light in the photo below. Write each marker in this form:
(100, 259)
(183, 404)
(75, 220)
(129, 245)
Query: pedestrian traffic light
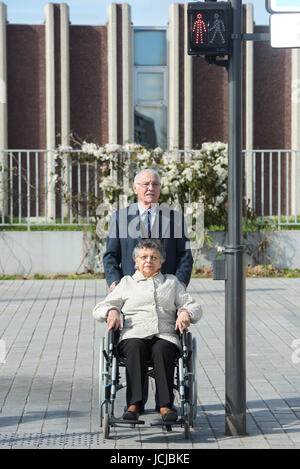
(209, 28)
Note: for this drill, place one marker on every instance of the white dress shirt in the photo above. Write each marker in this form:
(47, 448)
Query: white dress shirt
(143, 211)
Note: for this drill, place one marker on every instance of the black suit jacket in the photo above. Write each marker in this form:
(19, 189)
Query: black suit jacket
(125, 232)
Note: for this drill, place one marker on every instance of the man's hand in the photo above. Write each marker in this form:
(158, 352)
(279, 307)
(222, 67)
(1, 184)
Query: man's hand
(183, 285)
(183, 321)
(113, 285)
(113, 320)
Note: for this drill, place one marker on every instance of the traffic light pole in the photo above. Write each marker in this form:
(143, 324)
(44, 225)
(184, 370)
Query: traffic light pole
(235, 353)
(215, 31)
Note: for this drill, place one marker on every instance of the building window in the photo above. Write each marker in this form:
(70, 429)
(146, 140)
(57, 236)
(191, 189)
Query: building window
(150, 87)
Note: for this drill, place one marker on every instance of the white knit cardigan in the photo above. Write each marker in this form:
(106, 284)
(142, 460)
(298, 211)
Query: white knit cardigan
(149, 305)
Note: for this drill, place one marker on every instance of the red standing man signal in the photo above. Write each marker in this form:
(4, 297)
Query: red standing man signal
(200, 27)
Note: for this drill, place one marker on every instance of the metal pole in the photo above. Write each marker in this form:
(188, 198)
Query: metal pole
(235, 364)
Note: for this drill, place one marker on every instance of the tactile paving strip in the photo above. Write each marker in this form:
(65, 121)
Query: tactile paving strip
(50, 440)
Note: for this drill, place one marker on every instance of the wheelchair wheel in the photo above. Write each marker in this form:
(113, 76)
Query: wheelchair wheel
(195, 396)
(192, 380)
(103, 379)
(187, 433)
(106, 426)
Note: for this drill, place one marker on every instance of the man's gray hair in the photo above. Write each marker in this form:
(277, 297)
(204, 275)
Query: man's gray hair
(150, 244)
(143, 170)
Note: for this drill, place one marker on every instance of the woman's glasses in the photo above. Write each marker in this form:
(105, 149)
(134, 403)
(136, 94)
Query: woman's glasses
(152, 258)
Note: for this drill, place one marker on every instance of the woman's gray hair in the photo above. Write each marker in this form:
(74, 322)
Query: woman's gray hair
(150, 244)
(143, 170)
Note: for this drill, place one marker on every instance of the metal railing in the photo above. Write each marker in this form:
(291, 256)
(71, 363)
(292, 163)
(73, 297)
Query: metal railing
(36, 191)
(272, 186)
(32, 187)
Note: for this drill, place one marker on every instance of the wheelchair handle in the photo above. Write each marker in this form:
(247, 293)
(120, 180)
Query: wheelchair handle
(184, 342)
(111, 337)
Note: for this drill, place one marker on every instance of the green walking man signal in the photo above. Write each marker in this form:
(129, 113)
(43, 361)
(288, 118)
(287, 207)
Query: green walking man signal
(209, 28)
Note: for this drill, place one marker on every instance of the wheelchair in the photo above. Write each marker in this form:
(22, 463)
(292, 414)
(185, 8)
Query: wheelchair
(185, 384)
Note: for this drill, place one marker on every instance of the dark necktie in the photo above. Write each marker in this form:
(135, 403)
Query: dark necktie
(149, 222)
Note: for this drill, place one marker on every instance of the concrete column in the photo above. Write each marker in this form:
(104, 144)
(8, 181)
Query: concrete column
(65, 74)
(50, 107)
(112, 73)
(173, 36)
(188, 90)
(127, 73)
(295, 132)
(3, 113)
(3, 79)
(249, 105)
(50, 75)
(65, 93)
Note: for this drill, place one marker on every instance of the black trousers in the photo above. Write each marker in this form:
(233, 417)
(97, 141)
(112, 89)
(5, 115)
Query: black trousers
(163, 354)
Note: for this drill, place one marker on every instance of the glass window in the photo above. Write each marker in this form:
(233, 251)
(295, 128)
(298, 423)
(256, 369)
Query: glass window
(150, 86)
(150, 90)
(150, 47)
(151, 126)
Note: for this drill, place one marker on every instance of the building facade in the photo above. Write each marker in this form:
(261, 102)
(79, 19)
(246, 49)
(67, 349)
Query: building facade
(119, 82)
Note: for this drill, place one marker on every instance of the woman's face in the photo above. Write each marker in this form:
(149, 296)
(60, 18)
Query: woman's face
(148, 262)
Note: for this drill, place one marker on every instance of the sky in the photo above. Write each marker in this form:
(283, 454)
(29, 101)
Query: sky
(93, 12)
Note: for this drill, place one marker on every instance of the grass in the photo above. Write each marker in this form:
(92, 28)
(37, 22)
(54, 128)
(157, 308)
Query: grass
(259, 271)
(47, 228)
(85, 276)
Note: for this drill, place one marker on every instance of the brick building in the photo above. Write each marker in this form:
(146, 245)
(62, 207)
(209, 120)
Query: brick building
(97, 81)
(119, 82)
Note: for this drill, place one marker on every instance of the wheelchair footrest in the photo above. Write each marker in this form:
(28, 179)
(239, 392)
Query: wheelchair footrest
(117, 421)
(161, 423)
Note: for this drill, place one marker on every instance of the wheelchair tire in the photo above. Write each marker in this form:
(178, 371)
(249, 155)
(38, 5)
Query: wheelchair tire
(102, 379)
(195, 393)
(106, 426)
(192, 411)
(187, 433)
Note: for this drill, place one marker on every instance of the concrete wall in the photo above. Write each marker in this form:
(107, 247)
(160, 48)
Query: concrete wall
(42, 252)
(282, 248)
(51, 252)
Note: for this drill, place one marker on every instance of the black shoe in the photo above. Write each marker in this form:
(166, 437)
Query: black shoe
(142, 409)
(170, 416)
(129, 415)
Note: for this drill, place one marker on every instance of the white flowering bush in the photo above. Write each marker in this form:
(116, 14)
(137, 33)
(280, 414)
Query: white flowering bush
(199, 176)
(193, 176)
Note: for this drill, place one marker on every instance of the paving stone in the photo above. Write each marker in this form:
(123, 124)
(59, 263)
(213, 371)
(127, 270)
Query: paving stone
(49, 383)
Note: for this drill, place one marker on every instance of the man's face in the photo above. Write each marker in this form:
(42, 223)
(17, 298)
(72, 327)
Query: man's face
(147, 188)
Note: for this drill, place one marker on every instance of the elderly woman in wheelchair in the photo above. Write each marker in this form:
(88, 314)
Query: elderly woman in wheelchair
(156, 308)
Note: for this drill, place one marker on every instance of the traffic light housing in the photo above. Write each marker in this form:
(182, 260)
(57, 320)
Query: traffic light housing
(209, 28)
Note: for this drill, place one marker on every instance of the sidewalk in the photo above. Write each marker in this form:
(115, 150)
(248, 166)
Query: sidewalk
(48, 385)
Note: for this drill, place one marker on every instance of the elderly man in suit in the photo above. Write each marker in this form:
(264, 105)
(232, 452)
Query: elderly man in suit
(147, 219)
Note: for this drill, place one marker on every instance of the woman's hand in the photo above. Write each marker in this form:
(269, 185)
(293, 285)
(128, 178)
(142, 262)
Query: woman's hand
(113, 320)
(183, 321)
(113, 286)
